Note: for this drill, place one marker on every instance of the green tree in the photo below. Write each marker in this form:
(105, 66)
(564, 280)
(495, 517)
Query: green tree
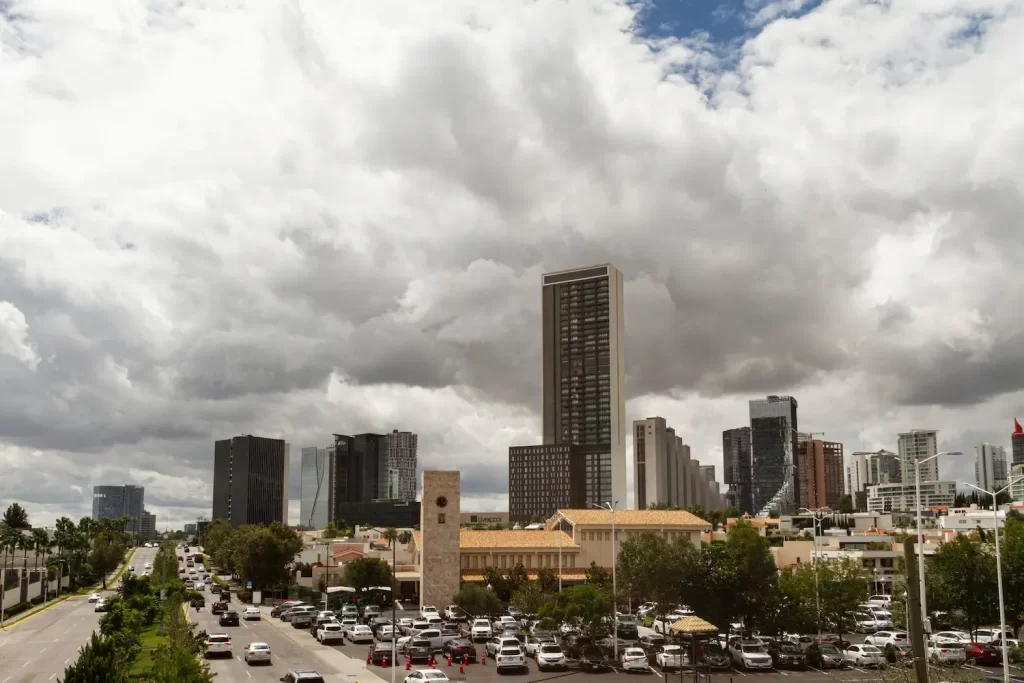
(696, 511)
(755, 571)
(217, 543)
(15, 517)
(655, 568)
(713, 588)
(261, 554)
(962, 581)
(366, 572)
(846, 504)
(517, 577)
(731, 512)
(476, 600)
(405, 538)
(106, 555)
(530, 598)
(840, 588)
(548, 580)
(588, 607)
(390, 535)
(598, 576)
(98, 660)
(330, 531)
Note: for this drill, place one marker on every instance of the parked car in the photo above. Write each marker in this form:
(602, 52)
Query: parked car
(880, 600)
(591, 658)
(378, 651)
(883, 638)
(626, 627)
(330, 632)
(285, 606)
(359, 634)
(748, 654)
(550, 656)
(946, 654)
(257, 652)
(429, 611)
(985, 654)
(865, 655)
(303, 619)
(497, 643)
(510, 657)
(419, 649)
(825, 656)
(715, 656)
(533, 643)
(459, 648)
(669, 657)
(455, 613)
(635, 659)
(651, 642)
(426, 676)
(899, 655)
(786, 655)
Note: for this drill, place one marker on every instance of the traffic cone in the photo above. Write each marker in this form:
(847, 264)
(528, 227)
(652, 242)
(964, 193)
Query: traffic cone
(433, 662)
(462, 664)
(385, 664)
(408, 663)
(449, 660)
(483, 656)
(369, 659)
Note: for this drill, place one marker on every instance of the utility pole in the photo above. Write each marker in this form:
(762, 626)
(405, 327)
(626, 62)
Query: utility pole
(163, 584)
(394, 602)
(914, 613)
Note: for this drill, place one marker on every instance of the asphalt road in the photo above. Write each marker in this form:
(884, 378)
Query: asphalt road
(40, 647)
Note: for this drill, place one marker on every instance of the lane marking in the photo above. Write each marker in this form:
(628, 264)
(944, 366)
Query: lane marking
(779, 671)
(25, 664)
(248, 674)
(67, 660)
(52, 676)
(738, 671)
(42, 651)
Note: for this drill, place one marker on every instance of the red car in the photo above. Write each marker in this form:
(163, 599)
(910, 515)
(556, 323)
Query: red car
(982, 653)
(219, 607)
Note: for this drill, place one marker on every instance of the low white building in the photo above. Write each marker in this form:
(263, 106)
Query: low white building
(934, 494)
(970, 519)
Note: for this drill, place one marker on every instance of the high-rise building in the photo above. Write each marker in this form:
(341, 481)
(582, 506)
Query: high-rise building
(737, 471)
(1017, 475)
(1017, 443)
(147, 529)
(990, 467)
(191, 529)
(821, 468)
(362, 464)
(773, 439)
(402, 459)
(868, 468)
(111, 502)
(662, 469)
(916, 445)
(584, 373)
(250, 480)
(708, 472)
(317, 484)
(545, 478)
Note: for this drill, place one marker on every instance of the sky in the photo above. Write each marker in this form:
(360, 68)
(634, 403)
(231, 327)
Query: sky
(295, 218)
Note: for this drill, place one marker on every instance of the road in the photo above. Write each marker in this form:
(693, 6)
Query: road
(37, 649)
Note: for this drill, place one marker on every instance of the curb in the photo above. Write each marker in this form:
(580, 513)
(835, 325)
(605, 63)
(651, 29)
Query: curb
(26, 617)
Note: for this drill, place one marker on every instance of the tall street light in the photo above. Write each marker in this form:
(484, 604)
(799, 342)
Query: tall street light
(610, 507)
(999, 572)
(561, 519)
(920, 535)
(819, 514)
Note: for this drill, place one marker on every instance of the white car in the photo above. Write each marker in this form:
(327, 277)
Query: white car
(95, 597)
(330, 632)
(510, 658)
(951, 638)
(359, 634)
(100, 605)
(670, 657)
(217, 644)
(257, 652)
(985, 635)
(252, 612)
(426, 676)
(506, 621)
(880, 600)
(429, 611)
(883, 638)
(550, 656)
(498, 643)
(634, 659)
(148, 565)
(750, 655)
(946, 654)
(385, 633)
(865, 655)
(646, 609)
(454, 613)
(480, 630)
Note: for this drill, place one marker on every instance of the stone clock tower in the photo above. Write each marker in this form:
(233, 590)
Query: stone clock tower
(440, 561)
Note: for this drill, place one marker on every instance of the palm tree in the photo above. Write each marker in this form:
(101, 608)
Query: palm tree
(405, 537)
(25, 543)
(390, 534)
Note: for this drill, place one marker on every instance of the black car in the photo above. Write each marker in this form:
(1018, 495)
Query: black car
(514, 631)
(786, 655)
(591, 658)
(626, 628)
(608, 645)
(378, 651)
(650, 643)
(459, 648)
(515, 612)
(418, 650)
(229, 618)
(825, 656)
(714, 656)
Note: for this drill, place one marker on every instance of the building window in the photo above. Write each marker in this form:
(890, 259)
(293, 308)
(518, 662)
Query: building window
(440, 518)
(503, 562)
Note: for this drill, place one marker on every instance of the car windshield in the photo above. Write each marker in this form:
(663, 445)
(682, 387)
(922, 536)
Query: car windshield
(626, 619)
(869, 648)
(259, 646)
(829, 650)
(756, 649)
(437, 675)
(550, 649)
(634, 652)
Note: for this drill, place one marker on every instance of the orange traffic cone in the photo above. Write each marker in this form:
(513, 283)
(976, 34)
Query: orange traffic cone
(483, 657)
(462, 664)
(385, 664)
(408, 663)
(449, 660)
(433, 662)
(369, 659)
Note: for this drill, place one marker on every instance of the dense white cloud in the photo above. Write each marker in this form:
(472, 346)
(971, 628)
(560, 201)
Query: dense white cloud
(296, 218)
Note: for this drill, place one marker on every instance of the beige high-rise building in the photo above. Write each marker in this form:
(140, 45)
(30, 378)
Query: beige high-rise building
(916, 445)
(584, 373)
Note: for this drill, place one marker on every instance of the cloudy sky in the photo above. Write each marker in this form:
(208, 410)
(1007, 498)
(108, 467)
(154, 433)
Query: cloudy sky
(293, 218)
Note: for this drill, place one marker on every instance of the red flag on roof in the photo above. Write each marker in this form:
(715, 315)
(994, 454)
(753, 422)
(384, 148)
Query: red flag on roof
(1017, 431)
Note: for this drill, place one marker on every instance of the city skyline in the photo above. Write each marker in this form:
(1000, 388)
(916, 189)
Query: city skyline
(351, 252)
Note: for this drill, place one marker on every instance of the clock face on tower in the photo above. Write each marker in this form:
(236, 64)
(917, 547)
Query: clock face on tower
(441, 501)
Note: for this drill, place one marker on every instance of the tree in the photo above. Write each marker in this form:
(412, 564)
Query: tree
(696, 511)
(548, 580)
(405, 538)
(731, 512)
(106, 555)
(365, 572)
(517, 577)
(477, 601)
(1012, 555)
(598, 576)
(261, 554)
(15, 517)
(588, 607)
(840, 589)
(390, 535)
(713, 588)
(755, 571)
(655, 568)
(846, 504)
(330, 531)
(962, 581)
(530, 598)
(217, 541)
(98, 660)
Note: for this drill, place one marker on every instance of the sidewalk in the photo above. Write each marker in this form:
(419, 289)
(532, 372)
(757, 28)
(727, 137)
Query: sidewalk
(36, 609)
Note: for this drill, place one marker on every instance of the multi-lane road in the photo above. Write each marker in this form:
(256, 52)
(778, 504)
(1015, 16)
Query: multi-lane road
(38, 648)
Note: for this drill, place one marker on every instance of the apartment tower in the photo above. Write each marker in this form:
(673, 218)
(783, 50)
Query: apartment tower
(915, 446)
(737, 472)
(584, 373)
(662, 472)
(821, 468)
(250, 480)
(1017, 443)
(317, 484)
(990, 467)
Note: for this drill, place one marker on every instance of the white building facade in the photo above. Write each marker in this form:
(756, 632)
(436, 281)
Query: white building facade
(990, 467)
(916, 445)
(890, 497)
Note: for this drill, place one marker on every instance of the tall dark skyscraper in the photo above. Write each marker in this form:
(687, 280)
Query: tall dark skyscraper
(584, 373)
(773, 447)
(362, 463)
(250, 480)
(545, 478)
(738, 474)
(111, 502)
(1017, 442)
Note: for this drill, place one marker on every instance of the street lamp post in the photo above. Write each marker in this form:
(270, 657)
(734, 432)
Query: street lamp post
(615, 617)
(819, 514)
(999, 572)
(920, 534)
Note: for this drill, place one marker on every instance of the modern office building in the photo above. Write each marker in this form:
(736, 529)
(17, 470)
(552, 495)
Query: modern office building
(584, 373)
(917, 445)
(147, 530)
(773, 440)
(250, 480)
(821, 473)
(362, 468)
(402, 452)
(317, 487)
(401, 514)
(1017, 443)
(191, 529)
(895, 497)
(990, 467)
(111, 502)
(737, 471)
(708, 472)
(544, 478)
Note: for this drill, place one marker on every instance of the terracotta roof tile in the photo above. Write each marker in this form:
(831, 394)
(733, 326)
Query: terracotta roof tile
(470, 539)
(635, 518)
